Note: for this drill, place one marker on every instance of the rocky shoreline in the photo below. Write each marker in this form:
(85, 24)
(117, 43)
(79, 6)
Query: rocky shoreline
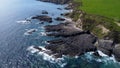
(56, 1)
(73, 40)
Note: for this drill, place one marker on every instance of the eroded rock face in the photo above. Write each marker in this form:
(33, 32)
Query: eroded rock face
(56, 1)
(43, 18)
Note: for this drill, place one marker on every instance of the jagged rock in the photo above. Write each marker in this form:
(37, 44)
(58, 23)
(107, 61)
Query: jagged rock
(74, 45)
(44, 12)
(74, 41)
(60, 19)
(43, 18)
(106, 46)
(63, 29)
(116, 52)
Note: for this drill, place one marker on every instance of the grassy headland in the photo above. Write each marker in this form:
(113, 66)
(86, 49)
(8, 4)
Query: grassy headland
(108, 8)
(99, 16)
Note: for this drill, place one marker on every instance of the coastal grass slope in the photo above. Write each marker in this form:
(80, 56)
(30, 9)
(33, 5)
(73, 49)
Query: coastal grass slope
(108, 8)
(101, 17)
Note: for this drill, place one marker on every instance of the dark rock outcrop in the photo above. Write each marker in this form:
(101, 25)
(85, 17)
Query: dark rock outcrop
(74, 41)
(63, 29)
(72, 46)
(43, 18)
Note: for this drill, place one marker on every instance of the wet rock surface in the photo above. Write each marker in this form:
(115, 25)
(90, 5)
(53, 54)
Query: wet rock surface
(43, 18)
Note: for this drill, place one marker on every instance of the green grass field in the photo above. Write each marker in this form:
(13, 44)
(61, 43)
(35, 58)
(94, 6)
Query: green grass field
(107, 8)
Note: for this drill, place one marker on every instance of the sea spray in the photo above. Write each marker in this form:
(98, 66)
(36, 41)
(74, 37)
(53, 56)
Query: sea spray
(60, 61)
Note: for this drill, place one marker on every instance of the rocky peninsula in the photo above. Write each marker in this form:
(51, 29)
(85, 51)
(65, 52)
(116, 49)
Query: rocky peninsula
(73, 40)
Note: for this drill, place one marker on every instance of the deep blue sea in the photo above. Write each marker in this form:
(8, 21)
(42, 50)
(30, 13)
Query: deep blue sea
(15, 43)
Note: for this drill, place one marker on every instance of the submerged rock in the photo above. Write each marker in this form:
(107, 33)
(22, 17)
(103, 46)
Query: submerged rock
(44, 12)
(43, 18)
(59, 8)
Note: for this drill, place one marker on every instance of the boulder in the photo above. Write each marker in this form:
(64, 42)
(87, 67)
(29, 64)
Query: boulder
(106, 46)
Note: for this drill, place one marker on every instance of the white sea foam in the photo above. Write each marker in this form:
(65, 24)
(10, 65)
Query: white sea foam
(104, 57)
(42, 33)
(32, 49)
(62, 65)
(30, 31)
(101, 53)
(46, 42)
(24, 21)
(46, 56)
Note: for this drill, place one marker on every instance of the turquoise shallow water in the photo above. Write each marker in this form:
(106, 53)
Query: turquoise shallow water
(14, 43)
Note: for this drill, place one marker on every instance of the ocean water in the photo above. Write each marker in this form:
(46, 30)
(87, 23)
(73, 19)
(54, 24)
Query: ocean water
(16, 44)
